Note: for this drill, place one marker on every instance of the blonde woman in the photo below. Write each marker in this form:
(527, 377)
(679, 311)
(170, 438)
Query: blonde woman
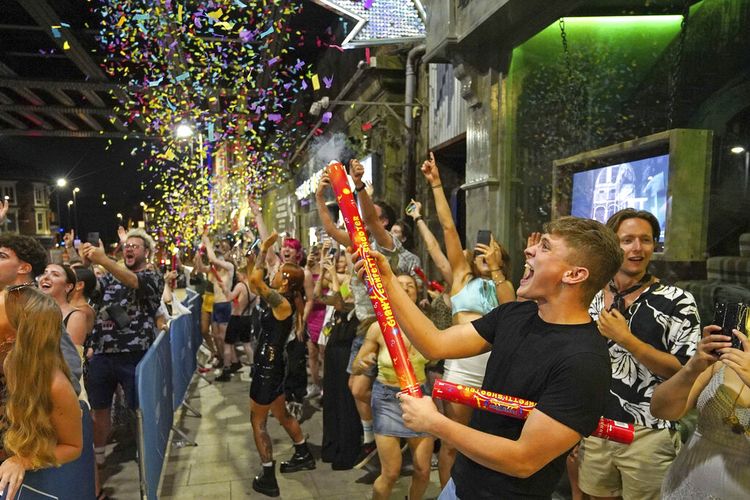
(42, 415)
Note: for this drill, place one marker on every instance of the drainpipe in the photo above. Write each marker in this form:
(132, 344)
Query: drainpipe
(409, 170)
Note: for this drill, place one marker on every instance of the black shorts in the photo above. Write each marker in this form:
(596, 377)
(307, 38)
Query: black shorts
(268, 374)
(108, 370)
(239, 329)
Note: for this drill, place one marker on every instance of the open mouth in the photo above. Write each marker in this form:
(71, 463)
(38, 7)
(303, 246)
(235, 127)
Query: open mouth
(528, 273)
(45, 285)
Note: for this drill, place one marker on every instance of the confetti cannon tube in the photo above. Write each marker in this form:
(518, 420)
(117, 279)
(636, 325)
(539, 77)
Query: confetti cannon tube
(519, 408)
(355, 226)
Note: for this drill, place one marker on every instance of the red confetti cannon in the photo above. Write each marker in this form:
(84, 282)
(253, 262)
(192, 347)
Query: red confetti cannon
(519, 408)
(355, 226)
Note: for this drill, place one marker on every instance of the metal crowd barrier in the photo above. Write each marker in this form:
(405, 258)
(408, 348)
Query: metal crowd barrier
(162, 379)
(71, 481)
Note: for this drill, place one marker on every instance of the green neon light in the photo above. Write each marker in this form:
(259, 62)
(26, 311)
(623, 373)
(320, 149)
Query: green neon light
(665, 19)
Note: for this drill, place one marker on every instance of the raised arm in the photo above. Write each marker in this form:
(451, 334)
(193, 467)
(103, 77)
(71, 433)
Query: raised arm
(224, 264)
(279, 305)
(459, 267)
(96, 255)
(414, 210)
(493, 257)
(674, 397)
(69, 241)
(458, 341)
(369, 214)
(338, 234)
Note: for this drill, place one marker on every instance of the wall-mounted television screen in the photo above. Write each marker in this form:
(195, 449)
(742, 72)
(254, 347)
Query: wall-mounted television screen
(667, 174)
(640, 184)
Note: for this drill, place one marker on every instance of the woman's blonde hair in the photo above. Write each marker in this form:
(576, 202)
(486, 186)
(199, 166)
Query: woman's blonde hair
(29, 369)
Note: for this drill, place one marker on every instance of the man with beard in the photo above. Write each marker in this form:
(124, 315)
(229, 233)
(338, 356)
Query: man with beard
(125, 326)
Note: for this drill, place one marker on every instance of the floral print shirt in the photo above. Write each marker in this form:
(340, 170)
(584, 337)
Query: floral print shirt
(665, 317)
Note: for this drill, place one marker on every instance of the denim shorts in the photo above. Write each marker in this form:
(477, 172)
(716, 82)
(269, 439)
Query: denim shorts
(371, 372)
(386, 412)
(222, 312)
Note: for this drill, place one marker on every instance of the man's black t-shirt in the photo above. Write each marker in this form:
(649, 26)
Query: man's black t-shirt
(564, 368)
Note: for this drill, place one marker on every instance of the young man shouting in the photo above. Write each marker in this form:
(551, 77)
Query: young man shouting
(546, 349)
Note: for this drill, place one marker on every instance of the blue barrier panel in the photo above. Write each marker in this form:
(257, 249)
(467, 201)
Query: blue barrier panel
(183, 357)
(195, 308)
(71, 481)
(153, 377)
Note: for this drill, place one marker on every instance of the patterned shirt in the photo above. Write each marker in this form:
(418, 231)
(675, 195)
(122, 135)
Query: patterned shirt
(140, 305)
(666, 318)
(401, 261)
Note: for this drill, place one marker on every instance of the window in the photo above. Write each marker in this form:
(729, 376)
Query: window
(40, 217)
(10, 224)
(40, 195)
(8, 191)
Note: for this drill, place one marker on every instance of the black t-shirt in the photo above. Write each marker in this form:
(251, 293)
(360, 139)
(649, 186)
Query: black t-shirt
(564, 368)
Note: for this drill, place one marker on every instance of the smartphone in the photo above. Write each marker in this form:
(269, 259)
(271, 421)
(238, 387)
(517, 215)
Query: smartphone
(93, 238)
(484, 236)
(410, 208)
(729, 316)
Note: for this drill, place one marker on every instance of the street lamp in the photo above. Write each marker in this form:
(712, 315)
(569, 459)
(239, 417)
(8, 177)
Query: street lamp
(76, 190)
(61, 183)
(70, 204)
(738, 150)
(183, 130)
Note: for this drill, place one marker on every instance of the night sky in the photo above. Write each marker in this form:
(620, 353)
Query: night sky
(93, 165)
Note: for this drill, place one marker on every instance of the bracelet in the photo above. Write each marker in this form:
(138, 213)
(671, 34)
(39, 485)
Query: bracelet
(417, 219)
(500, 282)
(438, 185)
(358, 189)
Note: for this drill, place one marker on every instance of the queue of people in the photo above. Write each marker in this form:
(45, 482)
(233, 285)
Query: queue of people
(588, 332)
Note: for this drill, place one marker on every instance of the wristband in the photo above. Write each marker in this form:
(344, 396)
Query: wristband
(359, 189)
(417, 219)
(438, 185)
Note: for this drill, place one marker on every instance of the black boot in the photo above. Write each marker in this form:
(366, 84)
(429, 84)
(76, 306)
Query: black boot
(301, 460)
(266, 482)
(226, 375)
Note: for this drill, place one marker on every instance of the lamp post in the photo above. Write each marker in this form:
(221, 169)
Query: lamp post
(76, 190)
(61, 183)
(70, 204)
(738, 150)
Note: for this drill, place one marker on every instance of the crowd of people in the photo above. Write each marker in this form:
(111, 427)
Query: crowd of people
(588, 332)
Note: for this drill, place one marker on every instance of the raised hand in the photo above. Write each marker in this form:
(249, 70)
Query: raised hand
(492, 253)
(268, 242)
(122, 234)
(430, 170)
(706, 352)
(69, 238)
(736, 359)
(414, 209)
(357, 171)
(323, 184)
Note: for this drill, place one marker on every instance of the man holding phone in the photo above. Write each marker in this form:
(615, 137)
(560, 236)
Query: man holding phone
(652, 329)
(125, 327)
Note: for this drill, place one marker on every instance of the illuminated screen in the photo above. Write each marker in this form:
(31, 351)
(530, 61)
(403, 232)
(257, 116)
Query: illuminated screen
(642, 184)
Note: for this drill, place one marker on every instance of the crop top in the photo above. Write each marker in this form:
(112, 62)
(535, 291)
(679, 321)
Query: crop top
(478, 296)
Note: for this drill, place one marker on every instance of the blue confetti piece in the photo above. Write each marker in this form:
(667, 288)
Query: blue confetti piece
(267, 32)
(56, 33)
(181, 77)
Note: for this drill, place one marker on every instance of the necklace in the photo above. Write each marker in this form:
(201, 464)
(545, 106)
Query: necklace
(732, 420)
(618, 301)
